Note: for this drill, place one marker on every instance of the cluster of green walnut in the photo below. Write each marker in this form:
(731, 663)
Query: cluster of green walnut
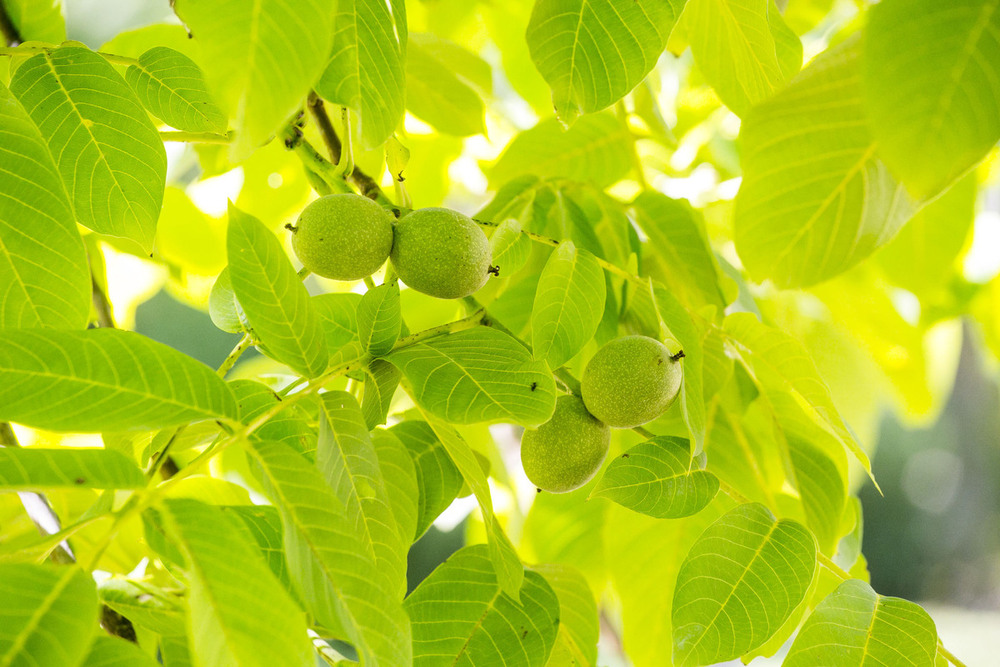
(630, 381)
(433, 250)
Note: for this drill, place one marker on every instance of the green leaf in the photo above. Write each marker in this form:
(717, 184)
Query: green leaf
(287, 426)
(327, 560)
(658, 478)
(43, 263)
(478, 375)
(107, 651)
(461, 615)
(510, 248)
(338, 315)
(506, 563)
(104, 380)
(578, 617)
(365, 71)
(381, 381)
(49, 614)
(822, 487)
(439, 95)
(259, 59)
(108, 152)
(854, 625)
(145, 605)
(37, 468)
(740, 581)
(815, 198)
(400, 475)
(678, 250)
(223, 308)
(346, 458)
(779, 363)
(37, 21)
(438, 480)
(595, 149)
(568, 305)
(682, 327)
(379, 319)
(173, 88)
(931, 75)
(594, 52)
(263, 523)
(922, 257)
(239, 612)
(743, 47)
(275, 301)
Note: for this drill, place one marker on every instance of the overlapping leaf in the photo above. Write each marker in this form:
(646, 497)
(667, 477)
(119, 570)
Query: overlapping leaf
(106, 148)
(510, 248)
(365, 71)
(440, 80)
(681, 325)
(740, 581)
(815, 198)
(107, 651)
(37, 468)
(328, 561)
(593, 52)
(658, 478)
(239, 612)
(478, 375)
(260, 59)
(568, 305)
(461, 615)
(273, 298)
(854, 625)
(43, 264)
(173, 88)
(379, 319)
(381, 381)
(400, 475)
(104, 380)
(579, 622)
(932, 87)
(438, 480)
(49, 614)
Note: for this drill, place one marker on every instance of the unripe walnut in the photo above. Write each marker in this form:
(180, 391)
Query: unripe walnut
(565, 452)
(343, 236)
(442, 253)
(630, 381)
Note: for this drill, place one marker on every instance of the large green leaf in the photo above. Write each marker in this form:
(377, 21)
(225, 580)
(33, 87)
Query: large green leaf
(288, 426)
(740, 581)
(438, 480)
(932, 87)
(104, 380)
(478, 375)
(854, 625)
(328, 561)
(593, 52)
(658, 478)
(107, 149)
(49, 614)
(273, 298)
(379, 319)
(173, 88)
(400, 475)
(578, 616)
(260, 59)
(381, 381)
(37, 468)
(462, 616)
(506, 563)
(365, 70)
(239, 612)
(743, 47)
(568, 305)
(439, 92)
(509, 247)
(346, 458)
(109, 651)
(594, 149)
(815, 198)
(37, 20)
(43, 264)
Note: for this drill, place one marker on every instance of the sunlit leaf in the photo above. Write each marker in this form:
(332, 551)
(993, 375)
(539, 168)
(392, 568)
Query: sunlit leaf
(38, 468)
(173, 88)
(578, 617)
(107, 651)
(381, 381)
(400, 475)
(436, 90)
(379, 319)
(438, 480)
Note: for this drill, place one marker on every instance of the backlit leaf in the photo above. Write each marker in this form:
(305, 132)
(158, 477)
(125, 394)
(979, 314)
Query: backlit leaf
(173, 88)
(438, 480)
(37, 468)
(379, 319)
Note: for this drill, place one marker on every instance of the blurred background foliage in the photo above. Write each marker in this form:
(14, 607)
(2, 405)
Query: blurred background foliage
(908, 340)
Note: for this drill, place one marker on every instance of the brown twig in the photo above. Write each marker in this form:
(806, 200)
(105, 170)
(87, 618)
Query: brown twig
(365, 183)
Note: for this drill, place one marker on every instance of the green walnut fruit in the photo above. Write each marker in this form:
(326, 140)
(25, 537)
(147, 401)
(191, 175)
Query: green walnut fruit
(565, 452)
(441, 253)
(630, 381)
(343, 236)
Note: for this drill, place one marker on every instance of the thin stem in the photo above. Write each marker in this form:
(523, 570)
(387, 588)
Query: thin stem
(326, 130)
(369, 283)
(473, 320)
(196, 137)
(948, 655)
(345, 165)
(30, 50)
(235, 355)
